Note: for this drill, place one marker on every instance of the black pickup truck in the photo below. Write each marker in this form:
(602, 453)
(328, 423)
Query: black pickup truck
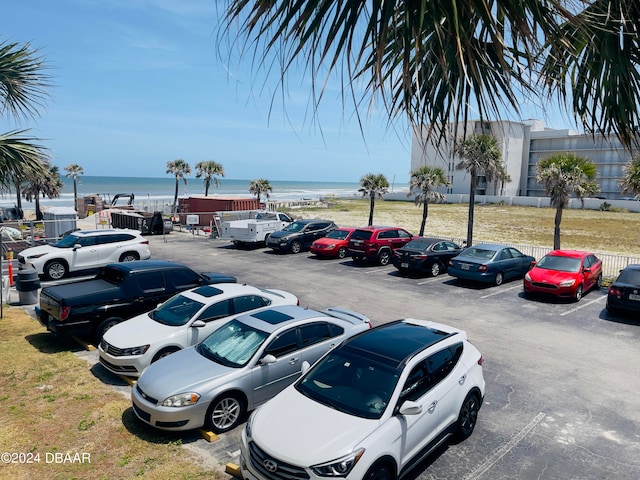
(120, 291)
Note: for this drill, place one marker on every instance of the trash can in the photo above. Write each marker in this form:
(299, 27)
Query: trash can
(27, 285)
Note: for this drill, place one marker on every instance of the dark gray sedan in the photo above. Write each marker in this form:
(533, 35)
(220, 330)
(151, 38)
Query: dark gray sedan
(239, 366)
(490, 263)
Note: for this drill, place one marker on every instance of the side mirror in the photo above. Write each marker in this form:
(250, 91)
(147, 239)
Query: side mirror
(198, 324)
(410, 407)
(586, 270)
(305, 367)
(77, 246)
(267, 359)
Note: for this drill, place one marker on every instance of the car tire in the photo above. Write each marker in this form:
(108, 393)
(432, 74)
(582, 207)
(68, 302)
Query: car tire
(342, 252)
(296, 247)
(164, 353)
(55, 269)
(598, 283)
(384, 257)
(468, 416)
(225, 412)
(104, 326)
(578, 295)
(129, 257)
(499, 278)
(436, 269)
(378, 471)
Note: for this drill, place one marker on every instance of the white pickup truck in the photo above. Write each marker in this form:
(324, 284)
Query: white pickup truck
(254, 230)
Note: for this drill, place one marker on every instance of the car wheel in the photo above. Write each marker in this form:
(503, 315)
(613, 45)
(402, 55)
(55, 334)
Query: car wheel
(499, 278)
(106, 325)
(378, 472)
(436, 269)
(468, 416)
(384, 257)
(342, 252)
(129, 257)
(296, 247)
(225, 413)
(164, 353)
(55, 270)
(578, 295)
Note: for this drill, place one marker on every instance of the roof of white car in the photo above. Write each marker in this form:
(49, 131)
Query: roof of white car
(220, 291)
(103, 231)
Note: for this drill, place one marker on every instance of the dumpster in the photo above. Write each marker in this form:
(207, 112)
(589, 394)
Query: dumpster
(27, 285)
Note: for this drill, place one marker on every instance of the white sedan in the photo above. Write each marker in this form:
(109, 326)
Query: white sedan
(184, 320)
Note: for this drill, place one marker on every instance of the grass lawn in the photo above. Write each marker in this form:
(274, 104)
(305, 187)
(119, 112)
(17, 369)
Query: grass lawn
(55, 413)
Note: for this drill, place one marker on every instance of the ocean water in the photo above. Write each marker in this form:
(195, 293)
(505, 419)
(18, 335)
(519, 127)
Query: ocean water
(157, 193)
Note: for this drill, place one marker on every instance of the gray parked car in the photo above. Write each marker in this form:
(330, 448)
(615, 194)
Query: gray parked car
(238, 367)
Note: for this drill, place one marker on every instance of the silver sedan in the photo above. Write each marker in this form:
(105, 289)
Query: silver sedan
(238, 367)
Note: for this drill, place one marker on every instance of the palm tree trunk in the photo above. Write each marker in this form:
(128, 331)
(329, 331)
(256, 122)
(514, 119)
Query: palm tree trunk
(556, 228)
(39, 215)
(425, 212)
(75, 194)
(472, 201)
(206, 188)
(175, 199)
(371, 205)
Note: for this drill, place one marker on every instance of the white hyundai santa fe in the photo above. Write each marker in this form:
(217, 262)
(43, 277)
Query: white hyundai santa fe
(371, 408)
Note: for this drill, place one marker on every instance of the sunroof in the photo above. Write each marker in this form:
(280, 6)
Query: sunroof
(272, 316)
(207, 291)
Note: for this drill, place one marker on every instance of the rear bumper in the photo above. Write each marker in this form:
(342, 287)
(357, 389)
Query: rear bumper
(64, 329)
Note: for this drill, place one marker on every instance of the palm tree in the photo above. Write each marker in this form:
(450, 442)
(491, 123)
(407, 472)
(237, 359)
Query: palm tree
(438, 63)
(209, 170)
(480, 154)
(563, 174)
(630, 182)
(259, 187)
(48, 185)
(178, 168)
(73, 171)
(373, 185)
(22, 92)
(423, 183)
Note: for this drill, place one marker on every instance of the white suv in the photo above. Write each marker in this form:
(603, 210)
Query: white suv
(372, 408)
(85, 250)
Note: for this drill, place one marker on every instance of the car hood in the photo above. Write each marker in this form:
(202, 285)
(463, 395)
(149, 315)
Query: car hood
(298, 430)
(140, 330)
(538, 274)
(39, 250)
(180, 372)
(327, 241)
(282, 234)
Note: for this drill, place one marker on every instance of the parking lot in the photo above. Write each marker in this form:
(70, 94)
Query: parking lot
(562, 378)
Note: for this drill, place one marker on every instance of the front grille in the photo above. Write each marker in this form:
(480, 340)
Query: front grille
(145, 396)
(111, 350)
(548, 286)
(280, 470)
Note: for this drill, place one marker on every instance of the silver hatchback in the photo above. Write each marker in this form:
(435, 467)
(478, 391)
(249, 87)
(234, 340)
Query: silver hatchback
(238, 367)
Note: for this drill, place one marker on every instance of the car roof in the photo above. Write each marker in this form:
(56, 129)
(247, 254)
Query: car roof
(489, 246)
(141, 265)
(274, 318)
(569, 253)
(205, 293)
(312, 220)
(103, 231)
(379, 227)
(394, 343)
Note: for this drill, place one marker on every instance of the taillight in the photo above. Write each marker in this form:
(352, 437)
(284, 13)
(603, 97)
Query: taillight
(480, 360)
(451, 263)
(616, 292)
(421, 257)
(483, 268)
(145, 242)
(64, 313)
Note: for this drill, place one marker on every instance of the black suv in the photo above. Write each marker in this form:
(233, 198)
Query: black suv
(299, 235)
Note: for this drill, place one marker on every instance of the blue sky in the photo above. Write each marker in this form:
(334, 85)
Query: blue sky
(138, 83)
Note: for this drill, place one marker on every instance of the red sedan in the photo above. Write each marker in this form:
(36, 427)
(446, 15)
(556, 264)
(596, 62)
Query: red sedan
(334, 244)
(565, 274)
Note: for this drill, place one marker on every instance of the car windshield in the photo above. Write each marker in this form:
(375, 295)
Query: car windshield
(561, 264)
(232, 345)
(361, 235)
(67, 242)
(350, 383)
(480, 253)
(338, 234)
(630, 276)
(294, 227)
(266, 216)
(419, 244)
(176, 311)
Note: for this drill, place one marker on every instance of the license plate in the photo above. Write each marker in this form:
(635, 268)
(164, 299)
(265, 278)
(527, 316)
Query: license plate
(464, 266)
(634, 297)
(404, 265)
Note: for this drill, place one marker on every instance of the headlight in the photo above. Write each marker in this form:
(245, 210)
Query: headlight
(132, 351)
(333, 245)
(567, 283)
(340, 467)
(248, 425)
(527, 277)
(181, 400)
(31, 257)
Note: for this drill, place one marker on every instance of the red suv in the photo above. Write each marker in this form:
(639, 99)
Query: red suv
(377, 243)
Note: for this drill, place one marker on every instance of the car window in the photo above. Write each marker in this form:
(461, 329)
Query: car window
(361, 235)
(118, 237)
(417, 383)
(439, 247)
(452, 246)
(441, 364)
(87, 241)
(217, 310)
(403, 234)
(335, 330)
(150, 282)
(283, 344)
(184, 279)
(249, 302)
(590, 261)
(314, 333)
(176, 311)
(505, 254)
(388, 234)
(516, 253)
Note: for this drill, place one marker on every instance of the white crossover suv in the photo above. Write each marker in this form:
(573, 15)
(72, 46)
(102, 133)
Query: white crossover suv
(371, 408)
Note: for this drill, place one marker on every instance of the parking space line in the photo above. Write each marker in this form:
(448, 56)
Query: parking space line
(582, 305)
(431, 280)
(498, 292)
(500, 452)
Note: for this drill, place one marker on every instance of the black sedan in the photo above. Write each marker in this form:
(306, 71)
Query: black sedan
(425, 255)
(624, 293)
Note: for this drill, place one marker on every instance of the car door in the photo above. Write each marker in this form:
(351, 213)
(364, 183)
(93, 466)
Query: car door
(108, 247)
(268, 379)
(590, 271)
(85, 255)
(313, 232)
(508, 265)
(523, 262)
(450, 375)
(317, 338)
